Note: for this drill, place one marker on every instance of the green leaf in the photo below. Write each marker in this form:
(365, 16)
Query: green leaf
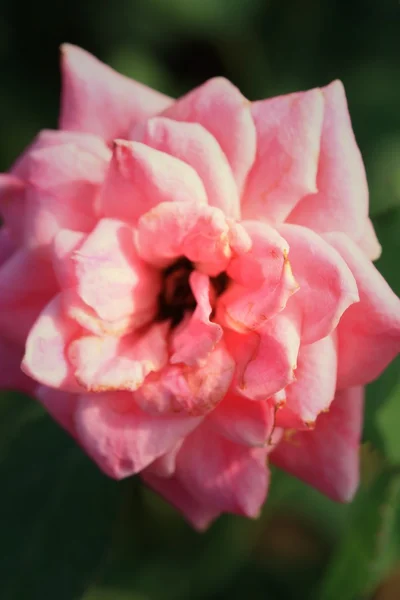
(57, 509)
(369, 547)
(388, 422)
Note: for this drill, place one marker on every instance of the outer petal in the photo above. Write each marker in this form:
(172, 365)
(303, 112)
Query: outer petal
(165, 465)
(369, 243)
(193, 144)
(123, 439)
(263, 280)
(111, 279)
(223, 111)
(327, 457)
(27, 284)
(60, 405)
(7, 245)
(140, 177)
(45, 351)
(98, 100)
(12, 204)
(341, 203)
(288, 143)
(196, 512)
(369, 332)
(242, 421)
(314, 388)
(190, 390)
(265, 359)
(192, 343)
(327, 286)
(11, 376)
(106, 364)
(221, 474)
(201, 233)
(63, 183)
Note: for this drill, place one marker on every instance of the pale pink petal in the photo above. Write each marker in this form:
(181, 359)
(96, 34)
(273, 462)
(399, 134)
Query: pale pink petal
(201, 233)
(262, 280)
(63, 183)
(288, 142)
(328, 456)
(193, 341)
(193, 144)
(369, 243)
(265, 359)
(11, 375)
(123, 439)
(242, 421)
(327, 286)
(195, 512)
(188, 390)
(140, 177)
(27, 284)
(7, 245)
(368, 332)
(111, 278)
(46, 348)
(223, 111)
(222, 474)
(341, 203)
(60, 405)
(97, 99)
(109, 363)
(314, 388)
(12, 204)
(164, 466)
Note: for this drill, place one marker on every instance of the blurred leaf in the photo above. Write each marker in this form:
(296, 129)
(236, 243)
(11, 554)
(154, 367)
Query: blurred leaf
(57, 509)
(370, 545)
(388, 419)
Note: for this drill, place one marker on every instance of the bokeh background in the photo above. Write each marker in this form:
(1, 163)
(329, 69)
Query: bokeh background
(66, 531)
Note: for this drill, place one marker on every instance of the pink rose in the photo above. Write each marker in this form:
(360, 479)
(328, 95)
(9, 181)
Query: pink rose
(189, 286)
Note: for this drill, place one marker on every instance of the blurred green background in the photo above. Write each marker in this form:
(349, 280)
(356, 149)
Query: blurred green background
(66, 531)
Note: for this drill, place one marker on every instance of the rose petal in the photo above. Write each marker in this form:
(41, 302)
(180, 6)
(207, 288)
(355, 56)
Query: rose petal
(7, 245)
(122, 438)
(97, 99)
(288, 142)
(369, 243)
(193, 144)
(60, 405)
(12, 204)
(341, 203)
(327, 286)
(225, 113)
(368, 332)
(11, 375)
(328, 456)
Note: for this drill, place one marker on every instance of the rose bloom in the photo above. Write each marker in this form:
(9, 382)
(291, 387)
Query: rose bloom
(188, 289)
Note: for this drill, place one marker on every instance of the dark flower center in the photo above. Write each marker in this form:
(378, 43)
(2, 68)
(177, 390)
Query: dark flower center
(176, 296)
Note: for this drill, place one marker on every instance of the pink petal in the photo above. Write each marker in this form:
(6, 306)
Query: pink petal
(111, 279)
(328, 456)
(221, 474)
(12, 204)
(45, 352)
(197, 337)
(327, 286)
(63, 186)
(60, 405)
(139, 178)
(193, 144)
(341, 203)
(196, 512)
(263, 280)
(27, 284)
(314, 388)
(369, 243)
(288, 142)
(201, 233)
(123, 439)
(164, 466)
(242, 421)
(107, 364)
(99, 100)
(265, 359)
(7, 245)
(369, 332)
(225, 113)
(188, 390)
(11, 376)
